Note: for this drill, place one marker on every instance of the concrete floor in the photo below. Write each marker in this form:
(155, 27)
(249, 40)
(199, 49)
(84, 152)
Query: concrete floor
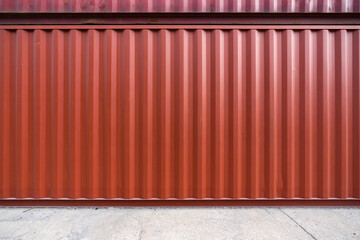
(180, 223)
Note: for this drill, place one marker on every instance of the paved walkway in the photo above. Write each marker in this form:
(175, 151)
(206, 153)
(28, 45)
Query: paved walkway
(180, 223)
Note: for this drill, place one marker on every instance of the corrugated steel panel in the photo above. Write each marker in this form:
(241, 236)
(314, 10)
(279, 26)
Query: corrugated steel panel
(180, 6)
(180, 113)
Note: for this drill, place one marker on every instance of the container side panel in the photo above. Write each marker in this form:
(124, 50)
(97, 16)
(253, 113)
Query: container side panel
(180, 113)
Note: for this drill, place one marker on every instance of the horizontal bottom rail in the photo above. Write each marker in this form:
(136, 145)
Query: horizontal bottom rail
(177, 27)
(175, 203)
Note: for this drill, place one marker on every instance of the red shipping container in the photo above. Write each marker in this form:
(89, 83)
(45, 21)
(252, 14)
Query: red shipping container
(192, 114)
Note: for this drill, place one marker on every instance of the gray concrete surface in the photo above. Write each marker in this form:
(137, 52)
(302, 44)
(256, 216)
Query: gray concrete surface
(180, 223)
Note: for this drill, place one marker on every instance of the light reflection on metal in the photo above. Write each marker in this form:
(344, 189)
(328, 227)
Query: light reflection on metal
(180, 113)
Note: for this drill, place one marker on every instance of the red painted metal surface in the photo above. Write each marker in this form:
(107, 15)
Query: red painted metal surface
(181, 112)
(180, 6)
(178, 27)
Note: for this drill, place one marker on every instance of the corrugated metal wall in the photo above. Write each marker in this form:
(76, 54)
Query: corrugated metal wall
(182, 113)
(180, 6)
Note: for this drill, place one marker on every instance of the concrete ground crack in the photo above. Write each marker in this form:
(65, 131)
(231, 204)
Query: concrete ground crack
(140, 225)
(297, 224)
(141, 231)
(27, 210)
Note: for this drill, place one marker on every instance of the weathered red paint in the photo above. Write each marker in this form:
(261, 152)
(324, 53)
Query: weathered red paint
(179, 112)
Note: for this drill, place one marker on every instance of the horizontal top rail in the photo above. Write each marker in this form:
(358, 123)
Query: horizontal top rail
(180, 19)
